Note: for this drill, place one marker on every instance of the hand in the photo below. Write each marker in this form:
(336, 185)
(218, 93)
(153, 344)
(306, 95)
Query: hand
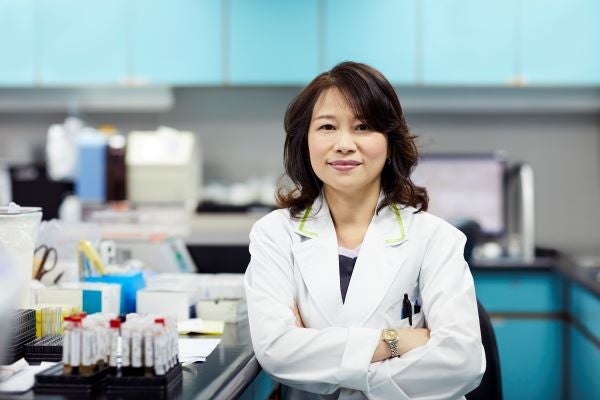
(409, 338)
(299, 322)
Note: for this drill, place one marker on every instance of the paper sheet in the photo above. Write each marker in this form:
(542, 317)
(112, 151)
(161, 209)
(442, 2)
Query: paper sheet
(201, 326)
(23, 380)
(196, 349)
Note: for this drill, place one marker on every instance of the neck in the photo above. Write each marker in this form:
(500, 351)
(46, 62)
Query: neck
(354, 207)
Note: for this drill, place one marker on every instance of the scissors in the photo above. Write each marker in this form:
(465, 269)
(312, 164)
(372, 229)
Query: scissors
(42, 253)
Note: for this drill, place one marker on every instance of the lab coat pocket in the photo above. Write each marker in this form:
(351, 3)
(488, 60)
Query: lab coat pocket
(418, 321)
(395, 312)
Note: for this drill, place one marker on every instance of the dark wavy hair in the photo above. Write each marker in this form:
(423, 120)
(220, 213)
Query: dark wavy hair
(373, 100)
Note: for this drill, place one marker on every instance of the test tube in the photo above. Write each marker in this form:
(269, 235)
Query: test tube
(75, 344)
(148, 352)
(125, 349)
(66, 357)
(87, 366)
(115, 327)
(136, 350)
(159, 347)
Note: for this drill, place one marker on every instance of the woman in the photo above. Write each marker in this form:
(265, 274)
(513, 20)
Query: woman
(353, 289)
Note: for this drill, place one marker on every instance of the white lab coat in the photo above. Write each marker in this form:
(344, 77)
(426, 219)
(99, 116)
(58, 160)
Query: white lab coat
(402, 252)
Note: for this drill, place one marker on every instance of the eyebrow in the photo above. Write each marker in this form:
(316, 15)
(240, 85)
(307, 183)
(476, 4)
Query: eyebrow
(325, 117)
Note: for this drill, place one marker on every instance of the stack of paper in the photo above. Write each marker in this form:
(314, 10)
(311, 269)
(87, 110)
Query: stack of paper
(200, 326)
(196, 349)
(20, 376)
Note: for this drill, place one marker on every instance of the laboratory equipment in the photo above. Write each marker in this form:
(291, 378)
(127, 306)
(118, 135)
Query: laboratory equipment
(521, 222)
(45, 258)
(18, 233)
(466, 186)
(163, 166)
(160, 254)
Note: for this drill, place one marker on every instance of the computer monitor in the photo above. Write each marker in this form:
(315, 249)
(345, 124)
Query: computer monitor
(465, 187)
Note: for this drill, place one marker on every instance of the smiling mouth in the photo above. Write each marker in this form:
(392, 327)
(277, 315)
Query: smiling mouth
(344, 165)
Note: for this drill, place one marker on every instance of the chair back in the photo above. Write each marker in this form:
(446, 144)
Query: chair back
(490, 387)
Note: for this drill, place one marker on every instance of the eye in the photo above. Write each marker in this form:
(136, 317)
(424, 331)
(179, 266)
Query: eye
(326, 127)
(362, 127)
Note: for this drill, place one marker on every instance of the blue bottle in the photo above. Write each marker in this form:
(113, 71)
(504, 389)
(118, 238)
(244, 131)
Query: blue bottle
(90, 183)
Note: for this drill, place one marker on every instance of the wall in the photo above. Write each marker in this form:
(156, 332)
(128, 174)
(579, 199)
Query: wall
(241, 130)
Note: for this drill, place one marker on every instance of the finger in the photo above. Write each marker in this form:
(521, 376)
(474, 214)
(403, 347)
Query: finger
(296, 312)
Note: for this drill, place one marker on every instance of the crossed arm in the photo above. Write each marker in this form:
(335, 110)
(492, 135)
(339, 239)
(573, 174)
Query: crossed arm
(446, 362)
(408, 339)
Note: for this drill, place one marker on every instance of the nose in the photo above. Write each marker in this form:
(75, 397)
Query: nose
(344, 142)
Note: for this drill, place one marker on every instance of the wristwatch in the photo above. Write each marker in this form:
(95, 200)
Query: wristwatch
(391, 338)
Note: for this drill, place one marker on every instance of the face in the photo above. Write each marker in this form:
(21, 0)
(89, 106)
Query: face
(345, 153)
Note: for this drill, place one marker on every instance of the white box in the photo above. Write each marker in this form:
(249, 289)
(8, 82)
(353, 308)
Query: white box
(222, 310)
(167, 303)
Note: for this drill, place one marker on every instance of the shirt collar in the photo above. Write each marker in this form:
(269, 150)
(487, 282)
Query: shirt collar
(391, 221)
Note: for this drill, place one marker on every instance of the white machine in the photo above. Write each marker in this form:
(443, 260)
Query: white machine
(168, 254)
(163, 166)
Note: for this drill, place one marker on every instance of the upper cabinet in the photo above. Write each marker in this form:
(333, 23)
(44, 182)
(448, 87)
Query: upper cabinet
(83, 42)
(561, 42)
(178, 44)
(469, 42)
(273, 42)
(381, 33)
(16, 42)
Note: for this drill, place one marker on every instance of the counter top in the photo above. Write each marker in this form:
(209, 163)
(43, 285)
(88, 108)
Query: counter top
(232, 366)
(229, 369)
(512, 263)
(586, 276)
(225, 374)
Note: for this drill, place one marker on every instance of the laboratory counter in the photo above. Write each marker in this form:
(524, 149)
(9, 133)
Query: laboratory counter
(230, 371)
(573, 269)
(515, 294)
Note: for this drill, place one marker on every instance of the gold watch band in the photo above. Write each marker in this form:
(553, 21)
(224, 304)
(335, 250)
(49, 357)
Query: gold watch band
(394, 348)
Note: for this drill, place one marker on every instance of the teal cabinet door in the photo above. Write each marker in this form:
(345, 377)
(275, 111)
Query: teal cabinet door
(178, 44)
(560, 44)
(469, 42)
(16, 42)
(261, 388)
(531, 358)
(585, 366)
(273, 42)
(584, 307)
(84, 42)
(522, 292)
(382, 33)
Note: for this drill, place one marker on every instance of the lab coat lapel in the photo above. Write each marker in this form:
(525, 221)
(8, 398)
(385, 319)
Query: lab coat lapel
(317, 259)
(380, 258)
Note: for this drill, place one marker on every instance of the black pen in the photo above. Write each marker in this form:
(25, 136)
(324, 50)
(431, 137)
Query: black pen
(407, 308)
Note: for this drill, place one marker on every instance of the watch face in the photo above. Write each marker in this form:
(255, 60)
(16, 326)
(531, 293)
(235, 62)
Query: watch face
(390, 334)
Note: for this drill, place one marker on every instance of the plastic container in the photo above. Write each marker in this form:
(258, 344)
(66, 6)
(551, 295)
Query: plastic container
(130, 281)
(48, 348)
(90, 184)
(165, 386)
(18, 234)
(54, 381)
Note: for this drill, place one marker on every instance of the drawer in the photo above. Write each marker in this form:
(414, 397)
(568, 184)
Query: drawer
(529, 292)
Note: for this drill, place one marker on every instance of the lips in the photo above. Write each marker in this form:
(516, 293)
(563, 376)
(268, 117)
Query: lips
(344, 165)
(344, 162)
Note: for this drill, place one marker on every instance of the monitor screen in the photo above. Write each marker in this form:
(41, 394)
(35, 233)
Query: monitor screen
(465, 187)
